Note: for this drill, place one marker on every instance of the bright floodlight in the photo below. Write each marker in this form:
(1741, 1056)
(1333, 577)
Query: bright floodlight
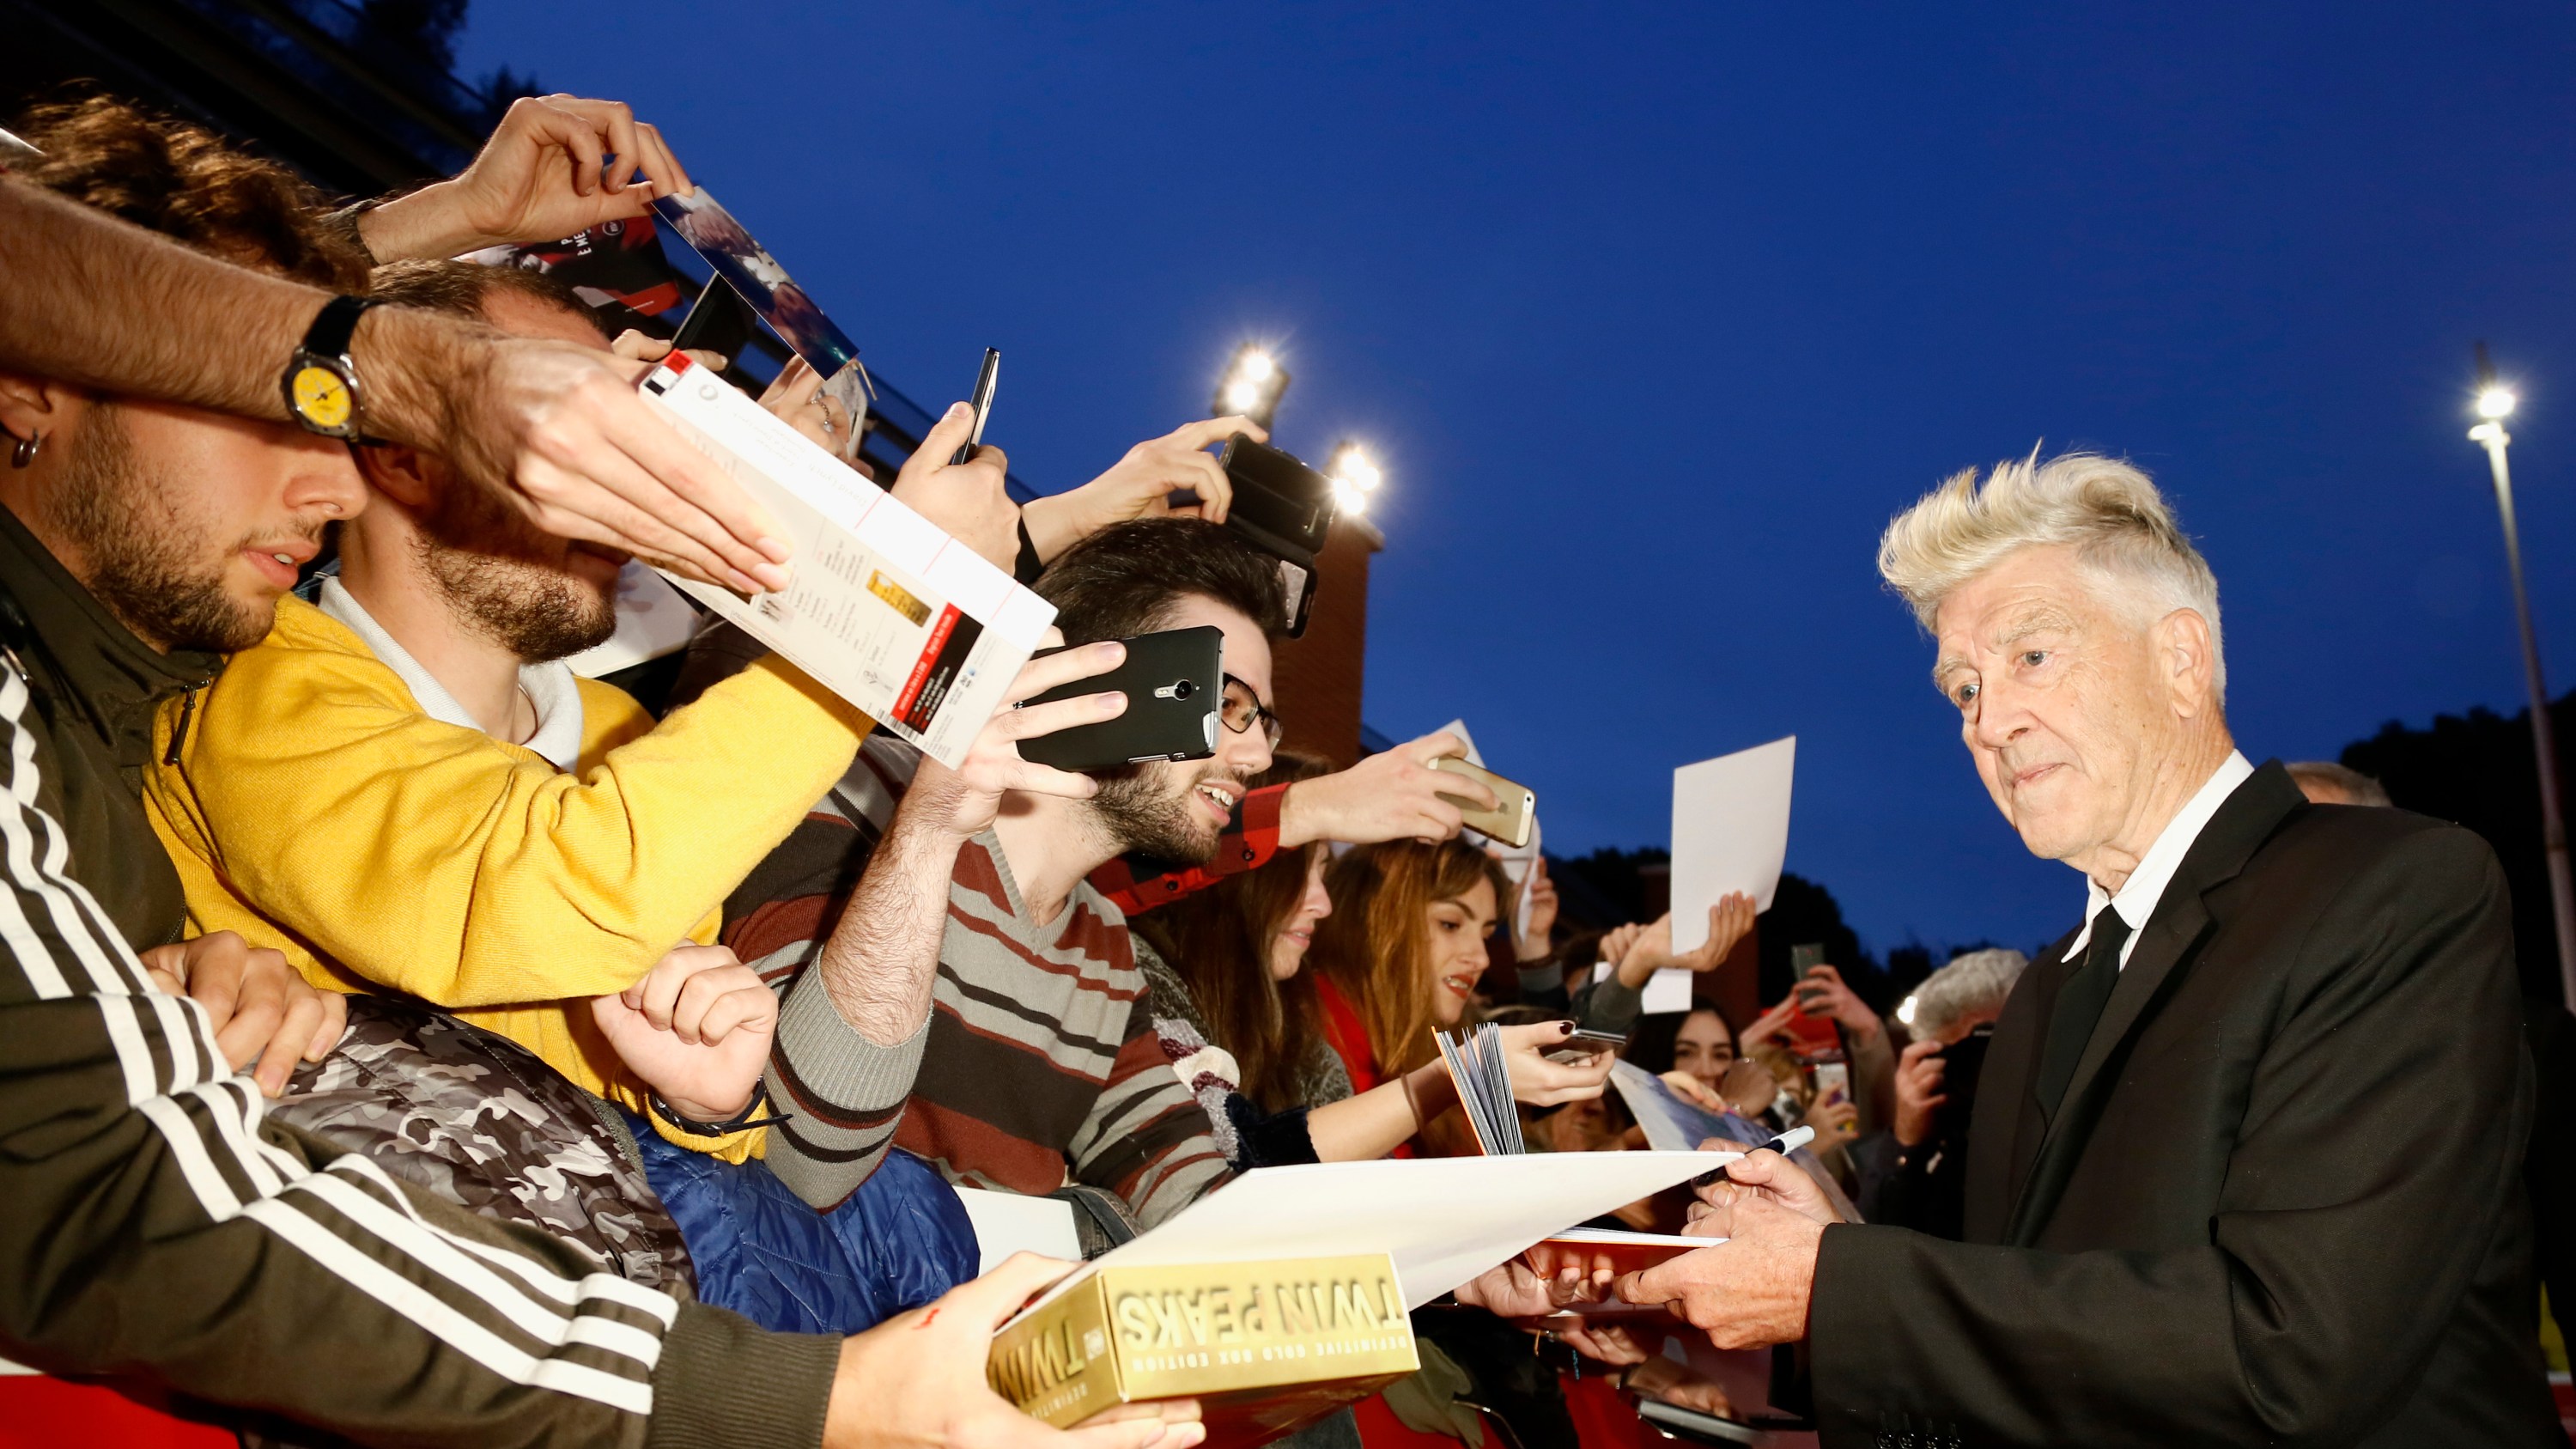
(2496, 402)
(1905, 1011)
(1351, 465)
(1349, 498)
(1252, 385)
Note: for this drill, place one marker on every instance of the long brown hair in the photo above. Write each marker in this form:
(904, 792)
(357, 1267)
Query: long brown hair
(1218, 940)
(1373, 944)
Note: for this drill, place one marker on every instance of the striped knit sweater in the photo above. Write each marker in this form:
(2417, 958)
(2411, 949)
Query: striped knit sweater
(1039, 1065)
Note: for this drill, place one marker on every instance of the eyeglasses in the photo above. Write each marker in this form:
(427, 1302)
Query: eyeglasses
(1242, 707)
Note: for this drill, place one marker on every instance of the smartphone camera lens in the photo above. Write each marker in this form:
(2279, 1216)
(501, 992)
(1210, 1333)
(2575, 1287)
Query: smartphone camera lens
(1184, 689)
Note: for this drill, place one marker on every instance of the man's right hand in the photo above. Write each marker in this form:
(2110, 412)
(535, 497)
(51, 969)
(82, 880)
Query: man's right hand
(562, 433)
(917, 1380)
(1391, 795)
(969, 501)
(1918, 1092)
(965, 801)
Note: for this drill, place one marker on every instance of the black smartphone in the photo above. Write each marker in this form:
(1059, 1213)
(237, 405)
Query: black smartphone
(1276, 493)
(1283, 508)
(981, 402)
(1175, 685)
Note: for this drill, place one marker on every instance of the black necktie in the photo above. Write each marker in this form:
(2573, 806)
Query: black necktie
(2079, 1006)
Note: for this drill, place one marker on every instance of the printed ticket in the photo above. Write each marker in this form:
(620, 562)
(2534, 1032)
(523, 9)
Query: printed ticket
(886, 610)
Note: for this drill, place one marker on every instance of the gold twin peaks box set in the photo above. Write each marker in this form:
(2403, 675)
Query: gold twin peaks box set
(1263, 1347)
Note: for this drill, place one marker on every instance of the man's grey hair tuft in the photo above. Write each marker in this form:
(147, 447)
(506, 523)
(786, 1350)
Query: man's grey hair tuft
(2108, 509)
(1974, 982)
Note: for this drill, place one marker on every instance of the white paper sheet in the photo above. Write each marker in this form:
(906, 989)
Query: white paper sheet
(1730, 833)
(1007, 1223)
(1443, 1220)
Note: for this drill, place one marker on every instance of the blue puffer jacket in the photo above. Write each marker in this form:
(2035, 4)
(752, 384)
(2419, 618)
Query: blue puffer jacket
(900, 1241)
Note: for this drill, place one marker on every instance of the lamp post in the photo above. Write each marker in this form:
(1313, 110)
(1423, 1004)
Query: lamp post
(2495, 404)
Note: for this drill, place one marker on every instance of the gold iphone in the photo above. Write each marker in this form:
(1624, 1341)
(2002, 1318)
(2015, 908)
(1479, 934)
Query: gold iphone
(1511, 823)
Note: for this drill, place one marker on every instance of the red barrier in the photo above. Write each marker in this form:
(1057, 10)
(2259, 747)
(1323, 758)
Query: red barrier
(46, 1413)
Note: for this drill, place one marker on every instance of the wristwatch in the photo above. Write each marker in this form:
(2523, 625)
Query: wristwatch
(320, 383)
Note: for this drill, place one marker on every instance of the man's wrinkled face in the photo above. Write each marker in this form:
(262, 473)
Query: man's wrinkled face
(2059, 699)
(1177, 810)
(189, 525)
(539, 596)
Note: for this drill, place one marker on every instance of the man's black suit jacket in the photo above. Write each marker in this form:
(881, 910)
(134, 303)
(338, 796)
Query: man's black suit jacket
(2281, 1201)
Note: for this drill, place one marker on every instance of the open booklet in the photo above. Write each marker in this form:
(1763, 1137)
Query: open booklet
(1484, 1081)
(886, 611)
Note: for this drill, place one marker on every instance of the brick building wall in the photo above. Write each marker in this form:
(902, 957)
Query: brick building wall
(1318, 678)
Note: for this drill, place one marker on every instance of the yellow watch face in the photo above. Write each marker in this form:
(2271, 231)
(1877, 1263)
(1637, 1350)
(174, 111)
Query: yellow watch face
(321, 397)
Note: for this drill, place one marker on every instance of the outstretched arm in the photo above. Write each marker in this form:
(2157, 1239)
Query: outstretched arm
(556, 429)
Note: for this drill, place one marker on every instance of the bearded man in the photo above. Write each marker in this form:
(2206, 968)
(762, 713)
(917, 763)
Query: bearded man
(403, 787)
(1037, 1065)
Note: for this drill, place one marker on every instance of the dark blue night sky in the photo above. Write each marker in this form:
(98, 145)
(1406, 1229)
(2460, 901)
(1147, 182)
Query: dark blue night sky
(1656, 313)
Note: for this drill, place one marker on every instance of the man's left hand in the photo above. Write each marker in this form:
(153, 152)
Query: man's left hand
(544, 175)
(1751, 1291)
(1392, 795)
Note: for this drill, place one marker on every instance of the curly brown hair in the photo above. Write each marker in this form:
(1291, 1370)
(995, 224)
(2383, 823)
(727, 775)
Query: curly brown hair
(191, 186)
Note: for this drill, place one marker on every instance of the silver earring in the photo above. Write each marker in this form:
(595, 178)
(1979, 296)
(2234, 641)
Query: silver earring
(25, 453)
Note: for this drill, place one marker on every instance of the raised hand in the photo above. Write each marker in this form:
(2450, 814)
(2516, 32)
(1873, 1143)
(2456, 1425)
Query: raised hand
(967, 500)
(1830, 997)
(1140, 485)
(1918, 1091)
(546, 173)
(965, 801)
(261, 1010)
(1391, 795)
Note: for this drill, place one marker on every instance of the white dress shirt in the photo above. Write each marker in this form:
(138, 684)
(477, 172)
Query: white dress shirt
(551, 687)
(2146, 885)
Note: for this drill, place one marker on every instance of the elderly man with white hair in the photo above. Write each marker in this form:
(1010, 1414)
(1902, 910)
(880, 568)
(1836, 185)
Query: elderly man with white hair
(2244, 1166)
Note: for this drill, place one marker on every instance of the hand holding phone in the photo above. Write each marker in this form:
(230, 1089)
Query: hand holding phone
(1510, 820)
(982, 402)
(1174, 682)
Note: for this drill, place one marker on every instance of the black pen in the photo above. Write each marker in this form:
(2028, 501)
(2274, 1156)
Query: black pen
(1784, 1144)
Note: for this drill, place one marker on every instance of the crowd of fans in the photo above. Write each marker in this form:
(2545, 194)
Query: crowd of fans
(612, 1061)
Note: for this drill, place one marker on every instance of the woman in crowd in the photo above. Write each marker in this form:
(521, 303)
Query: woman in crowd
(1245, 1024)
(1398, 960)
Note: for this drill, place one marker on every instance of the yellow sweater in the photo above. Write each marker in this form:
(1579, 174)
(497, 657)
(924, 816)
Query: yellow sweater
(315, 808)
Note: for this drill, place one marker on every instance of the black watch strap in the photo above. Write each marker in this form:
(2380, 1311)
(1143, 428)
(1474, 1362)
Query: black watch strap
(331, 331)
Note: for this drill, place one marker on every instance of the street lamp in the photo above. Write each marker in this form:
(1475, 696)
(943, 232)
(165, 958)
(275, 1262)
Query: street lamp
(1251, 387)
(1355, 478)
(2496, 403)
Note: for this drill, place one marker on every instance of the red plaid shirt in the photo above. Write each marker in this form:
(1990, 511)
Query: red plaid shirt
(1253, 839)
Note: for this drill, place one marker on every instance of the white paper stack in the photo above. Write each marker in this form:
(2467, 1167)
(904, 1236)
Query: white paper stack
(886, 611)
